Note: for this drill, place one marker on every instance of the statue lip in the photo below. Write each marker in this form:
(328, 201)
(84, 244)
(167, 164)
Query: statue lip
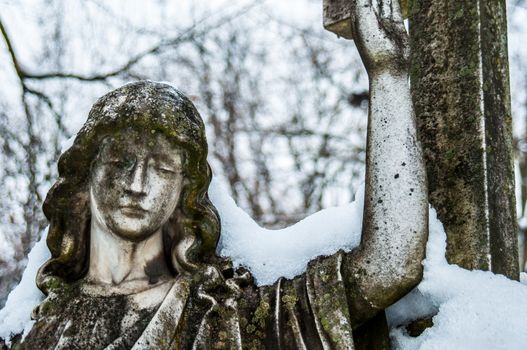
(133, 210)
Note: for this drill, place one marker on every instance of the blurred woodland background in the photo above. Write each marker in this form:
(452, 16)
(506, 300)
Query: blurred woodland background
(284, 101)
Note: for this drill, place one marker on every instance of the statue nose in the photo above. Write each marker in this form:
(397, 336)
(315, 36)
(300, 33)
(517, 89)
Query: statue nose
(137, 181)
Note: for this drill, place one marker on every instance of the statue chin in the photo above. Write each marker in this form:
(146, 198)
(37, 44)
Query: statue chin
(130, 223)
(132, 229)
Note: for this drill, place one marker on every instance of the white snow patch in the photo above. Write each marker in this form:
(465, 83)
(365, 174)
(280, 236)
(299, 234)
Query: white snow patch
(15, 317)
(477, 309)
(523, 278)
(271, 254)
(66, 144)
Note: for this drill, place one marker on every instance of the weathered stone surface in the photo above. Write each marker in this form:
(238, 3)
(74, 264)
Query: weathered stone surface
(71, 318)
(337, 16)
(460, 90)
(498, 138)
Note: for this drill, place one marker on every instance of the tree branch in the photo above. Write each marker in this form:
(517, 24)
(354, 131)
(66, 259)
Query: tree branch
(10, 48)
(185, 36)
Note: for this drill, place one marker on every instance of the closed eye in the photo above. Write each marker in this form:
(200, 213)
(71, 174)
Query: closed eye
(166, 170)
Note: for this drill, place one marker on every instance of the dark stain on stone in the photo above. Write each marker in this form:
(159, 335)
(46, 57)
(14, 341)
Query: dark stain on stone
(156, 268)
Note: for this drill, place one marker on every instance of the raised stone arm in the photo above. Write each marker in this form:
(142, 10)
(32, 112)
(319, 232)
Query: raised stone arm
(387, 263)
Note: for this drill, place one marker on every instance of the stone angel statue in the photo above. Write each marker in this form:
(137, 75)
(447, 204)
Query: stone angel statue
(133, 233)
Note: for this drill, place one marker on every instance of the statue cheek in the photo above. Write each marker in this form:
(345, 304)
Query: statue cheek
(166, 200)
(163, 203)
(106, 178)
(115, 184)
(108, 194)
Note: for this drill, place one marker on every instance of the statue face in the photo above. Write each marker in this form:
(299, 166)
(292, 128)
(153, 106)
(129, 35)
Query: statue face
(135, 184)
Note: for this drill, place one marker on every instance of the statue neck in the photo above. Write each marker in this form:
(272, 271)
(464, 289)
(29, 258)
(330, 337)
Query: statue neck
(119, 262)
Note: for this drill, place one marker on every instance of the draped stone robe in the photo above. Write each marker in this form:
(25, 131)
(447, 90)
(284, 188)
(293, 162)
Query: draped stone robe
(311, 311)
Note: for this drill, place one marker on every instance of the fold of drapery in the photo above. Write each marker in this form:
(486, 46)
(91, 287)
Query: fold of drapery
(229, 311)
(163, 329)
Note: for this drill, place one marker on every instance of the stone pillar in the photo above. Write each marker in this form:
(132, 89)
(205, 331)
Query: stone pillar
(460, 87)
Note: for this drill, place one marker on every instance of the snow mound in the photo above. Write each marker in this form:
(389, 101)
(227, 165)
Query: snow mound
(271, 254)
(15, 317)
(476, 309)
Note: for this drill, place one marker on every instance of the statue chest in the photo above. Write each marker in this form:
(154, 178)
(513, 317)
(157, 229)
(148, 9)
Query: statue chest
(81, 321)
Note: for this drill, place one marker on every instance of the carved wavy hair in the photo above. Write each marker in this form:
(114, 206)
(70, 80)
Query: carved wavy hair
(190, 235)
